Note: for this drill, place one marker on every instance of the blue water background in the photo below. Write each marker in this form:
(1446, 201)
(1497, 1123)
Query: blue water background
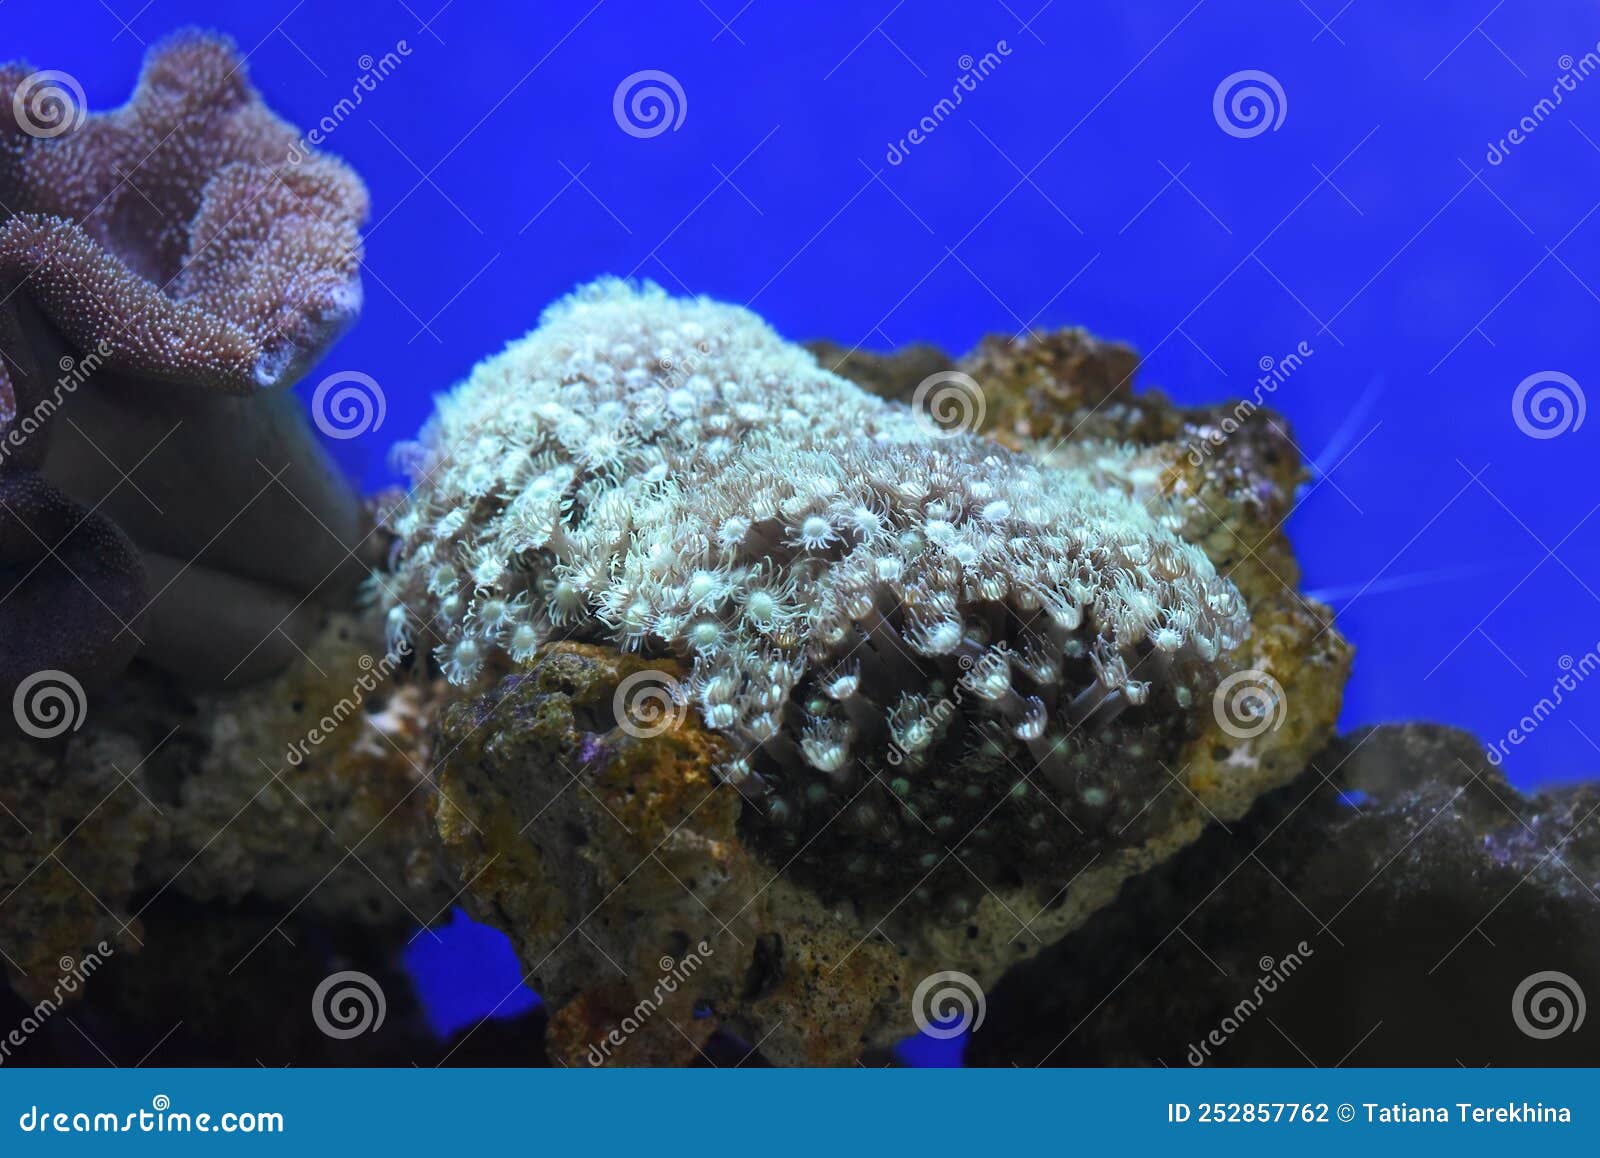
(1084, 181)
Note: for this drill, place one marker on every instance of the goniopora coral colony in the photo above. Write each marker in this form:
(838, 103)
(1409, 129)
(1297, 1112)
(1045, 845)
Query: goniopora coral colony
(914, 625)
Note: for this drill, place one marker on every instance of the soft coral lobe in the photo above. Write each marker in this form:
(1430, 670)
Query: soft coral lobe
(183, 259)
(181, 228)
(71, 586)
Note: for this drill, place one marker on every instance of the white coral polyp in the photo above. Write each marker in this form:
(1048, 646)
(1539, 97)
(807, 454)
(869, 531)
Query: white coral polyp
(669, 475)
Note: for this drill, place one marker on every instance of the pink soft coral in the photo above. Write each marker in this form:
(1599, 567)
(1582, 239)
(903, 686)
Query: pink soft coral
(178, 258)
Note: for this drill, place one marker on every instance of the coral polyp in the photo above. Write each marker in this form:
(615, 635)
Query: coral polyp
(874, 610)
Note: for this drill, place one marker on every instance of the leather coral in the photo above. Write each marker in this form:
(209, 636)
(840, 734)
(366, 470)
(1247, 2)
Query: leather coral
(181, 260)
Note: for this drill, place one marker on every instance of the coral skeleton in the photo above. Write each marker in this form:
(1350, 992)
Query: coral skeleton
(852, 588)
